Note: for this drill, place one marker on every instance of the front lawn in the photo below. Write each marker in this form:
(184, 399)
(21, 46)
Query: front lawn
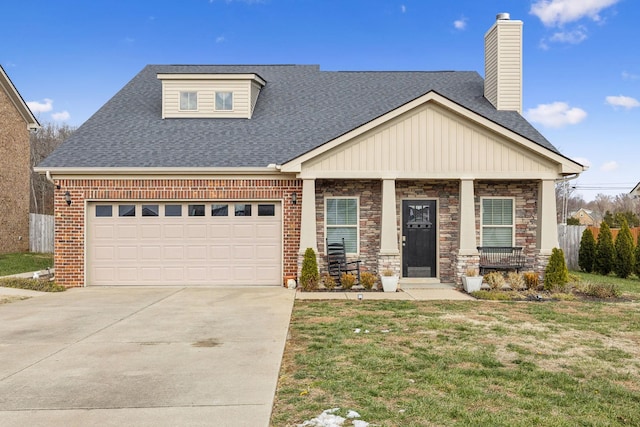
(400, 363)
(24, 262)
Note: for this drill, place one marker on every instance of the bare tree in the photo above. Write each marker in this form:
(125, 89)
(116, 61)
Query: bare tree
(42, 143)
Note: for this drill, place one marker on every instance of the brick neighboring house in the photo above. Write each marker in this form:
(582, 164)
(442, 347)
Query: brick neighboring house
(16, 121)
(222, 175)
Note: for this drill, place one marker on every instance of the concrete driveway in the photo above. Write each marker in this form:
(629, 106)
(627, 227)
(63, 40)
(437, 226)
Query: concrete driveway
(143, 356)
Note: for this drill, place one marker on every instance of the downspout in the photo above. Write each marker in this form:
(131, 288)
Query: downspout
(48, 175)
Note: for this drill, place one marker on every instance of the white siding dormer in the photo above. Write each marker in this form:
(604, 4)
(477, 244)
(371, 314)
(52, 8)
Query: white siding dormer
(217, 95)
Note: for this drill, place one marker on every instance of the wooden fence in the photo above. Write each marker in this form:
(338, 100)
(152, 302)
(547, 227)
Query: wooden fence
(40, 233)
(569, 237)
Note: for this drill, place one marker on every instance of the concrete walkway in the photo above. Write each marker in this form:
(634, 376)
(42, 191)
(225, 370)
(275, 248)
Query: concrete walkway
(445, 293)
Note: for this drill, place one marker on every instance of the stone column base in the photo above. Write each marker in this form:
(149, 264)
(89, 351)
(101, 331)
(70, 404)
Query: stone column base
(389, 262)
(464, 262)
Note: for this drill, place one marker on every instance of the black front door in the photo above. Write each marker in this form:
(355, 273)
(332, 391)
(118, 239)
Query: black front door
(419, 238)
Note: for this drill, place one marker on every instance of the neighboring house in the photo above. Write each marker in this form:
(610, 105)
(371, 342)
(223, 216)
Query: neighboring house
(16, 121)
(222, 175)
(585, 216)
(636, 191)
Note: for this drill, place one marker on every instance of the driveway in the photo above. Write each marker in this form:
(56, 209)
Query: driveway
(143, 356)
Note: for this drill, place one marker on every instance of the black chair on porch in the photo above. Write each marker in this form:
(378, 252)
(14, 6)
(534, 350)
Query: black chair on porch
(337, 261)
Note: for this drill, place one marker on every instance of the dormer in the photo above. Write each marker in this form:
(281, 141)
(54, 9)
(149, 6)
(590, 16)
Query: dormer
(200, 95)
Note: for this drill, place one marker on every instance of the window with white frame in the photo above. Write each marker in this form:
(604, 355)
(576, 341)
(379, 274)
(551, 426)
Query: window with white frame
(498, 222)
(188, 101)
(224, 101)
(341, 221)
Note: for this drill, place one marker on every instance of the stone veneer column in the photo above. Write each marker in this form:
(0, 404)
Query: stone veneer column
(467, 250)
(389, 256)
(547, 223)
(308, 217)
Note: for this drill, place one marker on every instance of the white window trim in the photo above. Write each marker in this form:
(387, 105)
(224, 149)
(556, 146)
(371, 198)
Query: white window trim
(180, 101)
(233, 104)
(513, 219)
(357, 198)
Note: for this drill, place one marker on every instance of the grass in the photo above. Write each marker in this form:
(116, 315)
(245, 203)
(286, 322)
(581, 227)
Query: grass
(426, 363)
(24, 262)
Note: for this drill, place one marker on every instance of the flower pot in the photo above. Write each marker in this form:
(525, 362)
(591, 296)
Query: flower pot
(389, 283)
(472, 283)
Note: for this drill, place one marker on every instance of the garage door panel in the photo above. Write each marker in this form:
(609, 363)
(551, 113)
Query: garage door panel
(184, 250)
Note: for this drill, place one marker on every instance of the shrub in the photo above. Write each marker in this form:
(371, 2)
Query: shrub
(488, 295)
(531, 279)
(602, 290)
(347, 280)
(636, 264)
(624, 262)
(573, 221)
(516, 280)
(42, 285)
(309, 276)
(605, 251)
(367, 280)
(495, 280)
(587, 251)
(556, 275)
(328, 281)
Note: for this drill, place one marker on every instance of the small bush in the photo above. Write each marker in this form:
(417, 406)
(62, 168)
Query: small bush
(495, 280)
(488, 295)
(587, 251)
(347, 280)
(309, 277)
(531, 280)
(556, 275)
(42, 285)
(516, 280)
(602, 290)
(367, 280)
(328, 281)
(605, 251)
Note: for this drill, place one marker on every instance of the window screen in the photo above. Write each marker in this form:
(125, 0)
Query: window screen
(342, 222)
(497, 222)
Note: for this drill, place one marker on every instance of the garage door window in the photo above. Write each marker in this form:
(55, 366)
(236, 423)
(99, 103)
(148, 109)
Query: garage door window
(104, 210)
(150, 210)
(266, 210)
(219, 210)
(173, 210)
(196, 210)
(126, 210)
(243, 210)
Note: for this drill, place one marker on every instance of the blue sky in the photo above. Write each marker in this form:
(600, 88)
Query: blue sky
(581, 57)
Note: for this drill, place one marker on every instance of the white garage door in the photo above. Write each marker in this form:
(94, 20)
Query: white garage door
(191, 243)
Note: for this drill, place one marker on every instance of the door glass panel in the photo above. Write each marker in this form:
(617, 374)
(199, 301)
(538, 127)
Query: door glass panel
(173, 210)
(243, 210)
(150, 210)
(196, 210)
(219, 210)
(126, 210)
(266, 210)
(104, 210)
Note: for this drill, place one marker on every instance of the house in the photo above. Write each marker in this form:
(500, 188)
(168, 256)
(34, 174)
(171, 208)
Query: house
(584, 216)
(16, 121)
(225, 174)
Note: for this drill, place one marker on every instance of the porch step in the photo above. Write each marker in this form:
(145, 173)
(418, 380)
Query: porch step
(423, 283)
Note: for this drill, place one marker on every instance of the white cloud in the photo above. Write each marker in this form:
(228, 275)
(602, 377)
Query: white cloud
(220, 39)
(403, 8)
(559, 12)
(40, 107)
(556, 114)
(629, 76)
(573, 37)
(583, 161)
(62, 116)
(622, 101)
(460, 24)
(609, 166)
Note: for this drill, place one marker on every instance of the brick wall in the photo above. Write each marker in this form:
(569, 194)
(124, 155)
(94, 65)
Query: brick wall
(70, 220)
(14, 178)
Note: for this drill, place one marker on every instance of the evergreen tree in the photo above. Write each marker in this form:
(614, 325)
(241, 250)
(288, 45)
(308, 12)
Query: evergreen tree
(587, 252)
(309, 276)
(605, 251)
(636, 264)
(556, 275)
(625, 262)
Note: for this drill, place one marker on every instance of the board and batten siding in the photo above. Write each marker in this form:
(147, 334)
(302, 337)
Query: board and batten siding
(431, 142)
(503, 65)
(243, 99)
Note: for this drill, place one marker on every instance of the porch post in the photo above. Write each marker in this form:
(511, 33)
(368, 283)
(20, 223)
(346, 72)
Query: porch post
(468, 243)
(308, 237)
(388, 226)
(547, 222)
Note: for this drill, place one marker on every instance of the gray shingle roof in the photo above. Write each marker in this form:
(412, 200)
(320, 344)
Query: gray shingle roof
(298, 110)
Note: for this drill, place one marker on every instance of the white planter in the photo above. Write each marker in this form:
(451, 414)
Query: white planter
(472, 283)
(389, 283)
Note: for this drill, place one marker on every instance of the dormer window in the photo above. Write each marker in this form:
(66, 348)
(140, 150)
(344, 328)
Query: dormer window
(224, 101)
(188, 101)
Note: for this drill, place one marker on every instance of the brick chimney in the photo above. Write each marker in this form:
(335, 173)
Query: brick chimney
(503, 64)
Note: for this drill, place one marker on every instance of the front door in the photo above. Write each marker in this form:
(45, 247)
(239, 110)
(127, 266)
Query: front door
(419, 238)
